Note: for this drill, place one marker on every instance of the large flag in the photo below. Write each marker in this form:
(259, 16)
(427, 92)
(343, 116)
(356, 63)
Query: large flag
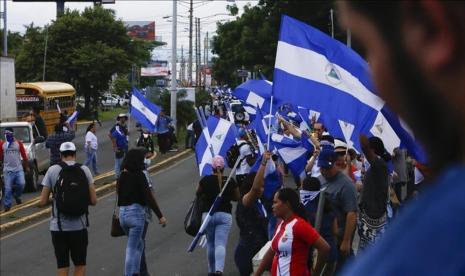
(318, 72)
(216, 139)
(143, 110)
(292, 152)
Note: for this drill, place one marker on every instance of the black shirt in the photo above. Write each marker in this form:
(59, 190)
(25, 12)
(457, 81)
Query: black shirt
(132, 188)
(375, 189)
(40, 124)
(209, 189)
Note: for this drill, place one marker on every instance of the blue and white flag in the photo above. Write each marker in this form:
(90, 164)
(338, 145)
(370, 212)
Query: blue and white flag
(73, 119)
(255, 93)
(218, 136)
(143, 110)
(292, 153)
(337, 83)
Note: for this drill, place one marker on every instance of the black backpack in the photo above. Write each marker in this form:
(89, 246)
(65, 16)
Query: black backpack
(233, 153)
(71, 192)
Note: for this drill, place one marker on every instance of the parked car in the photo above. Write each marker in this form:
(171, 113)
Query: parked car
(109, 101)
(37, 153)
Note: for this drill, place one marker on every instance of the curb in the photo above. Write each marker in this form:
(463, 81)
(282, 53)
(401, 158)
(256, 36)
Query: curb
(18, 222)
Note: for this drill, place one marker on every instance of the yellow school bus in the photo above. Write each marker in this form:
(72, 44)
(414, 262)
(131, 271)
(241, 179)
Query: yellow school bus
(49, 96)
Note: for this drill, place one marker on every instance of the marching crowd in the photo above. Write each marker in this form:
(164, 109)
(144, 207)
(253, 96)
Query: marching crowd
(345, 201)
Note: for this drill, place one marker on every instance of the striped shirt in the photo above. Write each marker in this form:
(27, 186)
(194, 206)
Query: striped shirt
(291, 244)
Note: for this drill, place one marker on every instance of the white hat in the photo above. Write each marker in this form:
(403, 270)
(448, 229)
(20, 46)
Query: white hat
(339, 146)
(122, 115)
(67, 146)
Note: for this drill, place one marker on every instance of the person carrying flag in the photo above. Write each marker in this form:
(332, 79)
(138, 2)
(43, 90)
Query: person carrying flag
(220, 223)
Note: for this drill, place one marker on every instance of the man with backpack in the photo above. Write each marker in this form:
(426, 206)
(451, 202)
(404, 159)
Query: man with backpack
(72, 187)
(247, 156)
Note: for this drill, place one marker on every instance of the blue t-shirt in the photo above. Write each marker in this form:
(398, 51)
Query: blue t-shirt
(120, 133)
(427, 239)
(162, 124)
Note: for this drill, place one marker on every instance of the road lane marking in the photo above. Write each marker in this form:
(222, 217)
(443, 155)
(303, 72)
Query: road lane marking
(107, 186)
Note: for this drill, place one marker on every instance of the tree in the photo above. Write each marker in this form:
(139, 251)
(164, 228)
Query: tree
(251, 39)
(84, 49)
(121, 84)
(14, 43)
(185, 113)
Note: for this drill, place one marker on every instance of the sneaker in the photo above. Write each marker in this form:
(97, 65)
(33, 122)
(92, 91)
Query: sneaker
(18, 200)
(173, 150)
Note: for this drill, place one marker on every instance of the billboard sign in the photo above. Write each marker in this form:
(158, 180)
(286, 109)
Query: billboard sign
(141, 29)
(157, 68)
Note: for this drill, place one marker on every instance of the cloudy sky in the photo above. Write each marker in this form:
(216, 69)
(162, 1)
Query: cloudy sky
(41, 13)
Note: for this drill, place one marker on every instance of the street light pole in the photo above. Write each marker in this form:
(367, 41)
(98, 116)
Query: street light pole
(5, 31)
(45, 53)
(173, 65)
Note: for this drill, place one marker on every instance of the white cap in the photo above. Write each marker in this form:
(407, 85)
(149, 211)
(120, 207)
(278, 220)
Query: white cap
(67, 146)
(339, 146)
(121, 115)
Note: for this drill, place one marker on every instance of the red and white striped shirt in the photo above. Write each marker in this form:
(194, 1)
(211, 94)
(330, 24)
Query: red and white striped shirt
(291, 244)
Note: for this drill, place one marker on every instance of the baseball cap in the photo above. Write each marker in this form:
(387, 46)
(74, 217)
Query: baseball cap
(218, 162)
(326, 158)
(67, 146)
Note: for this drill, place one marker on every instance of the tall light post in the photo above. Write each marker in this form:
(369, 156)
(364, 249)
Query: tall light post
(173, 65)
(5, 31)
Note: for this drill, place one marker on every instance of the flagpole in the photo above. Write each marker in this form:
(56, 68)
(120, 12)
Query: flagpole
(269, 124)
(214, 206)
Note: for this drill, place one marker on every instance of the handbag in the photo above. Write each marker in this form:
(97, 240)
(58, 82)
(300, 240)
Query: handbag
(116, 229)
(193, 219)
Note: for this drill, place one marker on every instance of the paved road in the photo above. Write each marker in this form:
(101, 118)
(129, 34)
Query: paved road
(105, 157)
(30, 252)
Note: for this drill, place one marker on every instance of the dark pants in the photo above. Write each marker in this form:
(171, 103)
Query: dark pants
(245, 251)
(164, 142)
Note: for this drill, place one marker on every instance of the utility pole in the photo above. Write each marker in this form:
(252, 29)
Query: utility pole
(207, 47)
(189, 65)
(332, 22)
(182, 76)
(45, 53)
(173, 64)
(196, 55)
(5, 31)
(199, 81)
(349, 38)
(60, 7)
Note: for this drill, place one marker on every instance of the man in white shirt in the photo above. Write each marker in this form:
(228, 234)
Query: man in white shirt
(90, 147)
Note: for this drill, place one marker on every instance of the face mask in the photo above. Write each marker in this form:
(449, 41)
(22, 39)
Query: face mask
(9, 137)
(146, 135)
(147, 162)
(65, 129)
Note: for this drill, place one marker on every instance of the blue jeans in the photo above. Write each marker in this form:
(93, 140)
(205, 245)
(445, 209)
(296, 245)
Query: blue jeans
(217, 236)
(14, 186)
(118, 162)
(132, 220)
(91, 158)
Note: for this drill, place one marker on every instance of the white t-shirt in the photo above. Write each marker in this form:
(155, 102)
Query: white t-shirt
(244, 151)
(90, 137)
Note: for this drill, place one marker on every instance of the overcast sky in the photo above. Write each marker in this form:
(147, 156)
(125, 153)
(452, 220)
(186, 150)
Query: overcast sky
(41, 13)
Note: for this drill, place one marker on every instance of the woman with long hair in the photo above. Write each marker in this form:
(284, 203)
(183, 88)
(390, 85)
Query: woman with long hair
(91, 145)
(217, 231)
(134, 194)
(293, 239)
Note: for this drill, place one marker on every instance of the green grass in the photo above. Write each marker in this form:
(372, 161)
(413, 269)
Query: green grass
(112, 113)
